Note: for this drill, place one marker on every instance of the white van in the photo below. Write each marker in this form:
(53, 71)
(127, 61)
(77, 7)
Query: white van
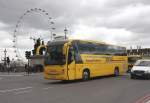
(141, 69)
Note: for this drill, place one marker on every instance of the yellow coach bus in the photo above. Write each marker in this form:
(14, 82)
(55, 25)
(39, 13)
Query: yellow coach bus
(78, 59)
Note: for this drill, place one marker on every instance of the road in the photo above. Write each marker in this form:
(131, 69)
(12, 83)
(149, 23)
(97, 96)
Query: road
(20, 88)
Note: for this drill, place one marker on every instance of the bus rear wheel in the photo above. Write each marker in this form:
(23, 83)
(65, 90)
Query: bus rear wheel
(86, 75)
(116, 72)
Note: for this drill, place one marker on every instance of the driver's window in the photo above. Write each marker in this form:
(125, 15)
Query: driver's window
(70, 55)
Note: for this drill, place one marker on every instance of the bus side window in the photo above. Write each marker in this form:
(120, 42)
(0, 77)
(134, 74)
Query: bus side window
(77, 56)
(70, 55)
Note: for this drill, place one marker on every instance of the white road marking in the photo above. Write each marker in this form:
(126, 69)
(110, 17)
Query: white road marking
(47, 88)
(22, 92)
(11, 90)
(10, 75)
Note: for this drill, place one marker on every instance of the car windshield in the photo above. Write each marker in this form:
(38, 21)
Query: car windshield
(143, 63)
(132, 60)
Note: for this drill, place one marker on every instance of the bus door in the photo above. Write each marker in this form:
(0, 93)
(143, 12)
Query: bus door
(71, 66)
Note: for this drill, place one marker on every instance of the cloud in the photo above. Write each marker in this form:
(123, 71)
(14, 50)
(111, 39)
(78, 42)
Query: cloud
(117, 21)
(102, 34)
(5, 39)
(2, 25)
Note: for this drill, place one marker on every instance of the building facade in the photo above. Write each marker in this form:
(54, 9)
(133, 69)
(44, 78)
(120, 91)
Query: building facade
(143, 51)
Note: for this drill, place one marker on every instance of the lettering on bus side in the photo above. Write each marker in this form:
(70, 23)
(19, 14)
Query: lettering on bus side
(97, 58)
(93, 60)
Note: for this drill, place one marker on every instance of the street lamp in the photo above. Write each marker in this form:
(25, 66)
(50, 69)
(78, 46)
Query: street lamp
(65, 31)
(5, 51)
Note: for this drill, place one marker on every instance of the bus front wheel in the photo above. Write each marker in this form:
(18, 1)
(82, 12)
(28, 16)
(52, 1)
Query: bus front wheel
(116, 72)
(86, 75)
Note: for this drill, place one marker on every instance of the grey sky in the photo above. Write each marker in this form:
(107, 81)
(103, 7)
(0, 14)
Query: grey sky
(124, 22)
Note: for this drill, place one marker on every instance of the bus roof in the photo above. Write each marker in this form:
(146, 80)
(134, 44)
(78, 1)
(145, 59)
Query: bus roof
(94, 41)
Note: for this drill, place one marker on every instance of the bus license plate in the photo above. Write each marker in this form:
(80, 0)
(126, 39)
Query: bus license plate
(53, 76)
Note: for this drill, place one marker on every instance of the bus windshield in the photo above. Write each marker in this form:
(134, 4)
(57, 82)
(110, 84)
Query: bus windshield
(54, 54)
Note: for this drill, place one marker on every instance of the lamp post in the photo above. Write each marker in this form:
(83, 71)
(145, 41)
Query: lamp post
(5, 51)
(65, 31)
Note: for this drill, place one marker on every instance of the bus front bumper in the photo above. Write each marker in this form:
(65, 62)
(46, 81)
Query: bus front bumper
(58, 76)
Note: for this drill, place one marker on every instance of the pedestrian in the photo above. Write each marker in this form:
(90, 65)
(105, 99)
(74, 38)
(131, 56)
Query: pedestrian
(27, 69)
(8, 68)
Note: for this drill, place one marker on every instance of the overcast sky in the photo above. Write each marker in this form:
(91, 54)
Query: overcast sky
(123, 22)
